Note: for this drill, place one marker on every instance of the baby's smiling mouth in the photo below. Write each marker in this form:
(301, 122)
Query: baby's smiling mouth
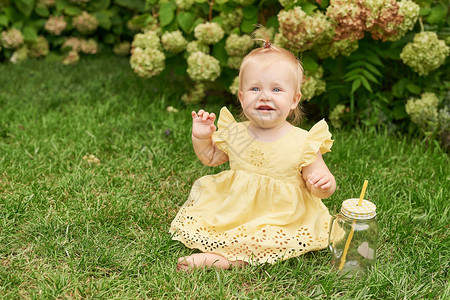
(264, 108)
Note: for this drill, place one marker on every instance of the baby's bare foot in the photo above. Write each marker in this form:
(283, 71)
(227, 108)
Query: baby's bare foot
(206, 260)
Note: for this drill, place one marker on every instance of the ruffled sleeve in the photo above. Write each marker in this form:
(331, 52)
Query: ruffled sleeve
(317, 139)
(220, 137)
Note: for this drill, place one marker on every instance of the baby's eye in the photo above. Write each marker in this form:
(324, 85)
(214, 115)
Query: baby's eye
(277, 90)
(254, 89)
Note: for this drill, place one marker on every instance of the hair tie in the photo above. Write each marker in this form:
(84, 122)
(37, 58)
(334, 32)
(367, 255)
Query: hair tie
(267, 45)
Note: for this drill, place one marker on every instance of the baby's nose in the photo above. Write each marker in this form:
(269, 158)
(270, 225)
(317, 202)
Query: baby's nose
(263, 96)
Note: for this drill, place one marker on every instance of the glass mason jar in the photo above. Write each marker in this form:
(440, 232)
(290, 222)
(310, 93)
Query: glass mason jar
(353, 236)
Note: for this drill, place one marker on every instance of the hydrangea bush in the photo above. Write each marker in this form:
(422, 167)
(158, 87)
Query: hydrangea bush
(361, 57)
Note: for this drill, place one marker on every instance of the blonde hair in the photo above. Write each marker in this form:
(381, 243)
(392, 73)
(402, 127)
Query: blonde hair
(268, 55)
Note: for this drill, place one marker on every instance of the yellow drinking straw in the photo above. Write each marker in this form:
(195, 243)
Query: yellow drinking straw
(350, 236)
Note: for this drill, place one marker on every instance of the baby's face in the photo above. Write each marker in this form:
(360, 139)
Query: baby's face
(268, 94)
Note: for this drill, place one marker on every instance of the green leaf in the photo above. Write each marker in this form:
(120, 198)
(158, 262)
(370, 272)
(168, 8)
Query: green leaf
(273, 22)
(352, 73)
(369, 76)
(25, 6)
(73, 10)
(437, 15)
(142, 20)
(352, 77)
(414, 88)
(366, 84)
(250, 12)
(309, 64)
(355, 85)
(103, 19)
(117, 30)
(4, 20)
(166, 13)
(42, 11)
(186, 21)
(372, 69)
(425, 11)
(98, 5)
(115, 18)
(29, 34)
(308, 7)
(109, 38)
(398, 89)
(324, 3)
(61, 4)
(399, 111)
(248, 26)
(134, 5)
(355, 64)
(198, 21)
(373, 58)
(220, 53)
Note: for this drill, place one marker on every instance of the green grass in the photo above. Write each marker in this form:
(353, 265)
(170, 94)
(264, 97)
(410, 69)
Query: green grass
(74, 229)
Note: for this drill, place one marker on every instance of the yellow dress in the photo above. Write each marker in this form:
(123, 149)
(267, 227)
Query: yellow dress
(261, 210)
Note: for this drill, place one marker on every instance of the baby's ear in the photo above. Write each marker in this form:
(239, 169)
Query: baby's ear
(239, 95)
(297, 98)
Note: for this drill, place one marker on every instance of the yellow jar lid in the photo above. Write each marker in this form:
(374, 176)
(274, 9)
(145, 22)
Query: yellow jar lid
(351, 209)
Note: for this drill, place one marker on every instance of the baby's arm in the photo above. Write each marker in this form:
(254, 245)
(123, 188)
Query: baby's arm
(202, 130)
(319, 179)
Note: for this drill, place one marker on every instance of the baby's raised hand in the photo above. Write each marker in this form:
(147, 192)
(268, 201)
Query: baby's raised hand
(203, 124)
(320, 179)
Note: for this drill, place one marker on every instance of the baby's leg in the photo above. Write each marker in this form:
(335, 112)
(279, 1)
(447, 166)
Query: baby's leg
(207, 260)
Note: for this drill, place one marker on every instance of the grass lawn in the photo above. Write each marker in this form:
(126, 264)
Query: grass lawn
(72, 228)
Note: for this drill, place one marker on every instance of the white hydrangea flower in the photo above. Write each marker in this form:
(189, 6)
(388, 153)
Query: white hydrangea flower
(45, 3)
(444, 119)
(426, 53)
(303, 31)
(280, 41)
(236, 45)
(12, 38)
(72, 57)
(349, 18)
(55, 25)
(85, 23)
(88, 46)
(232, 19)
(234, 62)
(336, 48)
(312, 84)
(285, 3)
(147, 62)
(195, 46)
(202, 66)
(410, 12)
(234, 87)
(174, 41)
(184, 4)
(19, 55)
(245, 2)
(74, 43)
(195, 94)
(336, 115)
(208, 33)
(424, 111)
(149, 39)
(122, 49)
(39, 47)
